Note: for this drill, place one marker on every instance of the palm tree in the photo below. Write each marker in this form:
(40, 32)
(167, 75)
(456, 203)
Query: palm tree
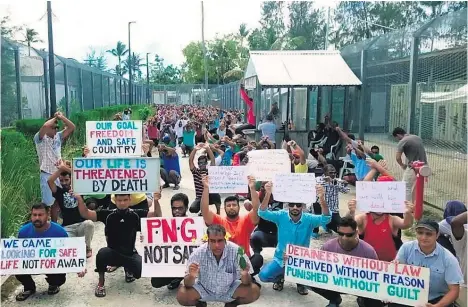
(119, 51)
(30, 38)
(136, 62)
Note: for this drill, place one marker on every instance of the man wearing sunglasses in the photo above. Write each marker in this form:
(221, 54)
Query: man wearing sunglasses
(348, 243)
(294, 227)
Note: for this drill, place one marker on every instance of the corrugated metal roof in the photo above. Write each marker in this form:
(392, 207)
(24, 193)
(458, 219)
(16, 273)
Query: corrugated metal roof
(300, 68)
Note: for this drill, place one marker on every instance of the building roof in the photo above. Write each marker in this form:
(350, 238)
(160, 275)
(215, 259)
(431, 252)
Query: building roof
(300, 68)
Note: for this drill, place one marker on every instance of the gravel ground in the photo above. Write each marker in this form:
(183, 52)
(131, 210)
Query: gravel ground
(80, 291)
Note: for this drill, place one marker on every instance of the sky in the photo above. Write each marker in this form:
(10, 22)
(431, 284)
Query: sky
(162, 27)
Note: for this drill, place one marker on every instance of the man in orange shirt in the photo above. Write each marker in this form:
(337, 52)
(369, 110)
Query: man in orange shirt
(239, 227)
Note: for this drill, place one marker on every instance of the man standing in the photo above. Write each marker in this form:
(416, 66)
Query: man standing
(268, 129)
(412, 146)
(217, 272)
(49, 150)
(40, 227)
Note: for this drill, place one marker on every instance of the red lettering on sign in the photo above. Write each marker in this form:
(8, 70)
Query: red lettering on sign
(151, 225)
(188, 234)
(169, 231)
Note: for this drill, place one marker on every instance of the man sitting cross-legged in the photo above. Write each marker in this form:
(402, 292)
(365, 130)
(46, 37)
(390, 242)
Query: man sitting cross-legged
(216, 272)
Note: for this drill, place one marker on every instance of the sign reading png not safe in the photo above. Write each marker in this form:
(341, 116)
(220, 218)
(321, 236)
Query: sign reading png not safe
(115, 175)
(114, 138)
(43, 256)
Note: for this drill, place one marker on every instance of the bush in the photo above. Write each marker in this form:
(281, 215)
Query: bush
(144, 113)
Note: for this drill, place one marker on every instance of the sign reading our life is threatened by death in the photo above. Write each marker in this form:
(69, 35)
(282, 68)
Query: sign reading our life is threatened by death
(115, 175)
(114, 138)
(294, 187)
(385, 197)
(228, 179)
(43, 256)
(168, 244)
(384, 281)
(264, 164)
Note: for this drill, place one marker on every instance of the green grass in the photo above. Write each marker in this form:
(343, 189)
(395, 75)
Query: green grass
(428, 213)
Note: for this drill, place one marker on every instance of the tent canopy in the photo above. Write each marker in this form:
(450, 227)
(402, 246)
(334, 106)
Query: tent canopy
(458, 96)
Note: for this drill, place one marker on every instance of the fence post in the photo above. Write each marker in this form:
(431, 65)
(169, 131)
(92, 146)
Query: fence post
(92, 90)
(18, 83)
(65, 81)
(108, 91)
(362, 100)
(46, 87)
(102, 90)
(80, 81)
(309, 90)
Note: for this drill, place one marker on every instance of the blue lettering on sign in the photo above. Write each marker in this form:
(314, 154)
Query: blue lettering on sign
(87, 163)
(119, 163)
(104, 142)
(104, 125)
(126, 141)
(126, 125)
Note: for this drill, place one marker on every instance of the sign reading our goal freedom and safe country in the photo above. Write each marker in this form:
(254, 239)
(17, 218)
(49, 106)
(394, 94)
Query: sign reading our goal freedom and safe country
(43, 256)
(380, 280)
(115, 175)
(168, 243)
(114, 138)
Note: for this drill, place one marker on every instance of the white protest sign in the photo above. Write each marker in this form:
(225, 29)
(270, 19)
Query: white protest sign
(168, 244)
(114, 138)
(385, 197)
(294, 188)
(265, 164)
(228, 179)
(115, 175)
(43, 256)
(379, 280)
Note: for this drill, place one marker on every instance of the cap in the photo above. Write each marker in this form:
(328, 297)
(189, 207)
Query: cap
(428, 224)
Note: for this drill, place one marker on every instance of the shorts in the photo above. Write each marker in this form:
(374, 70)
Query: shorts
(46, 193)
(155, 142)
(222, 297)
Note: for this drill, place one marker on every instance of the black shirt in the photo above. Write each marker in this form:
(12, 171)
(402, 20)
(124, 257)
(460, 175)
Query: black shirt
(121, 228)
(68, 206)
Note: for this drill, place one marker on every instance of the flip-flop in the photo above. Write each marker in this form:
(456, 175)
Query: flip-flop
(24, 295)
(53, 290)
(100, 291)
(174, 284)
(302, 290)
(279, 285)
(129, 277)
(112, 269)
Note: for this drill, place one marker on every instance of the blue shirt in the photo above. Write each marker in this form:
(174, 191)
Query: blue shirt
(360, 166)
(290, 232)
(54, 231)
(227, 157)
(268, 129)
(189, 138)
(171, 162)
(444, 267)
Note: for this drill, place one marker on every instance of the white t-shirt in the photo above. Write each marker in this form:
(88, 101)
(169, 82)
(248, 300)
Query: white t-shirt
(460, 249)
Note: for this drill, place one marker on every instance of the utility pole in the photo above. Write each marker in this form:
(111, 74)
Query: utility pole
(327, 29)
(147, 79)
(205, 61)
(53, 95)
(130, 88)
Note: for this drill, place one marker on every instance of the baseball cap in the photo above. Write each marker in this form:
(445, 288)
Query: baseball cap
(428, 224)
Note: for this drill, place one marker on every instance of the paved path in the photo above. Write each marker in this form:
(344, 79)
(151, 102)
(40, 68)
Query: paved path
(79, 292)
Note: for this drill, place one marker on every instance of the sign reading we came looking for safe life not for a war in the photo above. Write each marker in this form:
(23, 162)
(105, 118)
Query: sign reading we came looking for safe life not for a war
(115, 175)
(43, 256)
(168, 244)
(380, 280)
(114, 138)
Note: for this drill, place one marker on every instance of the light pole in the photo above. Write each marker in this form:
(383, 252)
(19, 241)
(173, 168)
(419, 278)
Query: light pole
(205, 62)
(130, 88)
(53, 95)
(147, 79)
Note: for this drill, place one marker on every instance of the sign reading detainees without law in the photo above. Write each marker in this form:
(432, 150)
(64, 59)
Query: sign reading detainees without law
(168, 244)
(115, 175)
(380, 280)
(114, 138)
(43, 256)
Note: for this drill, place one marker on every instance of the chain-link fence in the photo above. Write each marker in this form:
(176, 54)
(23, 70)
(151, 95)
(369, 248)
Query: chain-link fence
(26, 87)
(416, 79)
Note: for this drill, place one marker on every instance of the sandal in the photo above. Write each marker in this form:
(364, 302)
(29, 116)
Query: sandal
(279, 285)
(302, 290)
(129, 277)
(100, 291)
(89, 252)
(174, 284)
(112, 269)
(22, 296)
(53, 290)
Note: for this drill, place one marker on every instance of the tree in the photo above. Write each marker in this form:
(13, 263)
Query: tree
(31, 37)
(119, 51)
(306, 27)
(95, 60)
(162, 74)
(136, 64)
(272, 26)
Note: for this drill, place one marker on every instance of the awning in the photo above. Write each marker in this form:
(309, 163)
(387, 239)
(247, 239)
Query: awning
(300, 68)
(458, 96)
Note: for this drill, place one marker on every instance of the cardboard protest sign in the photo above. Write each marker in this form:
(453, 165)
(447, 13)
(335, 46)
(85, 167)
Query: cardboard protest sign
(228, 179)
(43, 256)
(297, 188)
(385, 281)
(386, 197)
(115, 175)
(168, 244)
(114, 138)
(265, 164)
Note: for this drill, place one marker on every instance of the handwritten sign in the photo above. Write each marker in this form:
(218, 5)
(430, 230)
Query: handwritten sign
(114, 138)
(265, 164)
(397, 283)
(168, 244)
(43, 256)
(228, 179)
(297, 188)
(115, 175)
(385, 197)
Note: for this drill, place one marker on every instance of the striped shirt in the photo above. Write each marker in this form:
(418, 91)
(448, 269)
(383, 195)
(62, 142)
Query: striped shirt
(197, 180)
(49, 151)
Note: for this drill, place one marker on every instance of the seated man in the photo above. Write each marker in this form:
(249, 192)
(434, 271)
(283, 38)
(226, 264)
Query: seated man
(445, 277)
(459, 238)
(170, 172)
(348, 243)
(216, 274)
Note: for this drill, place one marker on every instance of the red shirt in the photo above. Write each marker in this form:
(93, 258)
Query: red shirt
(239, 229)
(380, 237)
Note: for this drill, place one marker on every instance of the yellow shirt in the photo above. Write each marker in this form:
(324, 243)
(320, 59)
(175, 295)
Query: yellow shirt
(135, 198)
(301, 168)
